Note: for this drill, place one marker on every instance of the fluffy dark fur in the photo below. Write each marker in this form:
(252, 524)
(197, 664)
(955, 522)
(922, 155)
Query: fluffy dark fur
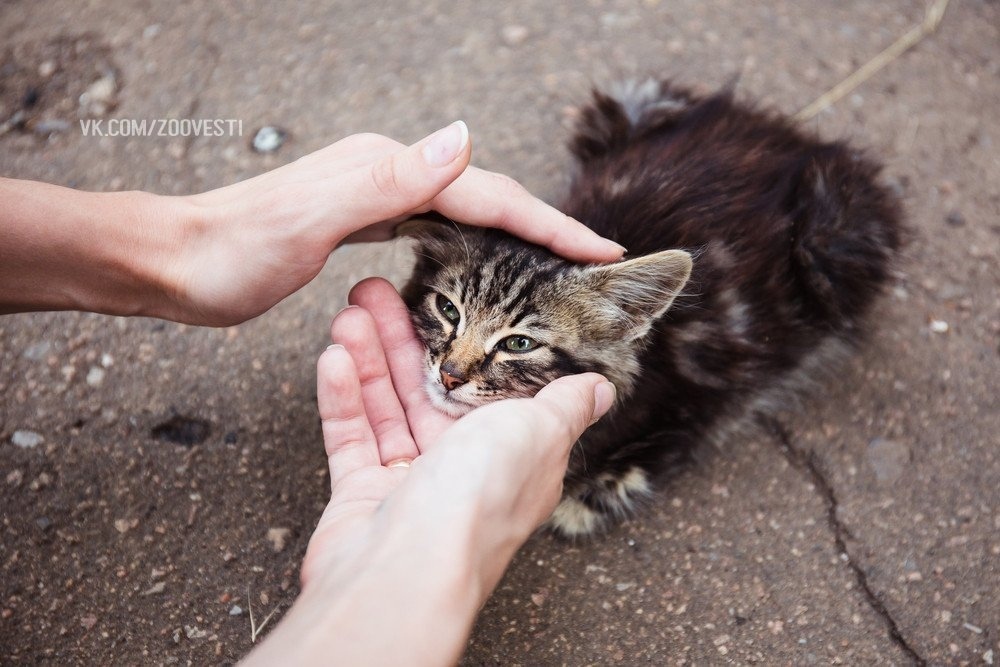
(792, 240)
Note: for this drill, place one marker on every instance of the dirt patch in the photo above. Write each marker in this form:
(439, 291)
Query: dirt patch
(45, 87)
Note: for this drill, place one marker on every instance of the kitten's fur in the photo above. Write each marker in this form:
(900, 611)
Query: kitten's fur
(791, 239)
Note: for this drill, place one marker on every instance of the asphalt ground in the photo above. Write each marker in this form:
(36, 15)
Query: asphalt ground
(863, 530)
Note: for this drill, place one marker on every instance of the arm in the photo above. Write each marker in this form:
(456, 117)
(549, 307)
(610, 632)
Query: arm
(404, 556)
(227, 255)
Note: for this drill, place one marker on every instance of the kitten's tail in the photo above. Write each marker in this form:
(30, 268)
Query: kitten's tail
(846, 232)
(611, 119)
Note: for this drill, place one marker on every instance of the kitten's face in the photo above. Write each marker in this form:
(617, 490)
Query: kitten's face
(501, 318)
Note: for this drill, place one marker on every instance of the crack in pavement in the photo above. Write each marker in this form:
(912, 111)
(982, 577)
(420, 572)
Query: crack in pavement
(806, 462)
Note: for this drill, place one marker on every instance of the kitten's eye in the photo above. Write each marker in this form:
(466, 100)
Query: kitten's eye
(519, 344)
(448, 309)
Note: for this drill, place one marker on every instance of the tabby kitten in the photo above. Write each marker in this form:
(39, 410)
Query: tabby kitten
(756, 251)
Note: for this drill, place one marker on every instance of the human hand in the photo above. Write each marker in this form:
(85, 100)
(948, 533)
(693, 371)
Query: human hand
(404, 556)
(508, 458)
(259, 240)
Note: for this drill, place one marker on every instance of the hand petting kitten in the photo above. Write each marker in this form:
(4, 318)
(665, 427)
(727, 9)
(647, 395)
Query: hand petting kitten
(230, 254)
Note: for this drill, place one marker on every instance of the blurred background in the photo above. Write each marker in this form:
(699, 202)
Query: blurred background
(160, 480)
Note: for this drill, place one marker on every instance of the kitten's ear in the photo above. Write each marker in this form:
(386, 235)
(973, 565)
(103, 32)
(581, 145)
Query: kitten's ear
(638, 291)
(433, 231)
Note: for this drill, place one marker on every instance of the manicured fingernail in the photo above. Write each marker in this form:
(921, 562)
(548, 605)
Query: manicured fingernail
(619, 247)
(604, 398)
(444, 146)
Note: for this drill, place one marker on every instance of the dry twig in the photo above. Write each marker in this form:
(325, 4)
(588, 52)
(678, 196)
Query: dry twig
(863, 73)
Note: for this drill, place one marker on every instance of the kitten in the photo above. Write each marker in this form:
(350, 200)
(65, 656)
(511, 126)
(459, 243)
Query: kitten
(755, 251)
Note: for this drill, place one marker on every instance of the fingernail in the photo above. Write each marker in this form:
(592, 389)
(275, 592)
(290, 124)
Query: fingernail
(335, 346)
(444, 146)
(604, 398)
(399, 463)
(345, 308)
(619, 247)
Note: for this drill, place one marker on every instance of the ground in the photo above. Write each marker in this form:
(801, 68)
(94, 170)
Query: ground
(158, 481)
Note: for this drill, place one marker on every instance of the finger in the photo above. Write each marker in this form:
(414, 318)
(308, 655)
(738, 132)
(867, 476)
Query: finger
(487, 199)
(403, 181)
(348, 438)
(577, 401)
(405, 355)
(355, 329)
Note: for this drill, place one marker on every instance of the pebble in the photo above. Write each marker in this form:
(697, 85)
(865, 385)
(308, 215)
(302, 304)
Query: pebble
(269, 139)
(47, 69)
(98, 96)
(973, 628)
(278, 538)
(988, 657)
(151, 31)
(95, 376)
(50, 126)
(27, 439)
(514, 35)
(888, 459)
(236, 610)
(939, 326)
(955, 219)
(155, 589)
(43, 522)
(37, 351)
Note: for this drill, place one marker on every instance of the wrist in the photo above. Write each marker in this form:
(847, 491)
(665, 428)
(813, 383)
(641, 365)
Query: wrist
(404, 598)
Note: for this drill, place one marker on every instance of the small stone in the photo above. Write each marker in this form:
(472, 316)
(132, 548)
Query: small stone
(15, 477)
(151, 31)
(514, 35)
(43, 522)
(95, 376)
(88, 621)
(278, 538)
(107, 361)
(945, 616)
(538, 599)
(268, 139)
(47, 69)
(624, 586)
(125, 525)
(236, 610)
(40, 482)
(955, 219)
(27, 439)
(988, 657)
(50, 126)
(194, 632)
(37, 351)
(155, 589)
(939, 326)
(973, 628)
(99, 96)
(888, 459)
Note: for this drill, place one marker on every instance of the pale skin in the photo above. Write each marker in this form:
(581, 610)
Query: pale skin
(228, 255)
(425, 512)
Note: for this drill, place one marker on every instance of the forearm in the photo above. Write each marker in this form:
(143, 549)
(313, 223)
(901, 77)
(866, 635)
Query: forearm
(407, 600)
(66, 249)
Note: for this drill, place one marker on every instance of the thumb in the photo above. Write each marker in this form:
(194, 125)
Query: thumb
(577, 401)
(400, 183)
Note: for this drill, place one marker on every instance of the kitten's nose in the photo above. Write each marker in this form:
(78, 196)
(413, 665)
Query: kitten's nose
(450, 377)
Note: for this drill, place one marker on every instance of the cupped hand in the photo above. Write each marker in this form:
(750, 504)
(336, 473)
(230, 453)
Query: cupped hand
(473, 489)
(256, 242)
